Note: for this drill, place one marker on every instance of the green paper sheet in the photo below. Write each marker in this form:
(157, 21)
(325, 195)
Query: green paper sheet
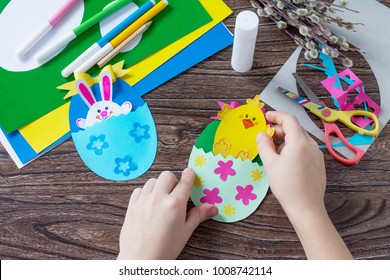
(28, 95)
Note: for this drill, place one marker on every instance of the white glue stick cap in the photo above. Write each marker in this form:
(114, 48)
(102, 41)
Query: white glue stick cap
(245, 34)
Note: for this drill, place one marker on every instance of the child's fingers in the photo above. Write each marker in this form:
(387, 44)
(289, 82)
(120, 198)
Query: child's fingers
(199, 214)
(293, 130)
(266, 148)
(149, 186)
(183, 188)
(165, 183)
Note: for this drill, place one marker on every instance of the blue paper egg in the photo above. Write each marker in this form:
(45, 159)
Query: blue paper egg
(121, 147)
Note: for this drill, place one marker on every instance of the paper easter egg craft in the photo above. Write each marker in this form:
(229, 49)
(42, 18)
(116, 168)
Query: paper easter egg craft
(112, 127)
(229, 172)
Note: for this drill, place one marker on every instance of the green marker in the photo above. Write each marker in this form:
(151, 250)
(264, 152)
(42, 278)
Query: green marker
(51, 50)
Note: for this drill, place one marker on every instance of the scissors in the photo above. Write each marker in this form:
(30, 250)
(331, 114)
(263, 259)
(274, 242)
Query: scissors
(328, 116)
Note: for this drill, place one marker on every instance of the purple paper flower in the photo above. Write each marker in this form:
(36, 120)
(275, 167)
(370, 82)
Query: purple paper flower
(211, 196)
(225, 169)
(245, 194)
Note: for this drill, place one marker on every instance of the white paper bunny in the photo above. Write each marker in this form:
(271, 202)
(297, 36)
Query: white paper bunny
(100, 110)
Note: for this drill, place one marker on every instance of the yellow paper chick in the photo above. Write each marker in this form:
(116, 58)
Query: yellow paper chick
(236, 134)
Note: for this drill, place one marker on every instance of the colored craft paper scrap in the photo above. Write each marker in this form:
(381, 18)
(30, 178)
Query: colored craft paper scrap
(234, 186)
(40, 133)
(41, 97)
(217, 9)
(112, 128)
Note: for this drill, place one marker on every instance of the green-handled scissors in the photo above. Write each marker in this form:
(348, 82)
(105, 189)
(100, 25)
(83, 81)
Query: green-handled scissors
(328, 116)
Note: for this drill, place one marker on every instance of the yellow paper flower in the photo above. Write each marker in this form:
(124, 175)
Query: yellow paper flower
(200, 160)
(198, 181)
(256, 174)
(228, 210)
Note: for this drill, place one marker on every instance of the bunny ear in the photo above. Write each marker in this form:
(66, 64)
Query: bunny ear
(106, 86)
(85, 92)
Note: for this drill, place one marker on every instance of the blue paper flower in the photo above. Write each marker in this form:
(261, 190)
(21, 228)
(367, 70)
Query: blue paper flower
(124, 166)
(140, 132)
(97, 144)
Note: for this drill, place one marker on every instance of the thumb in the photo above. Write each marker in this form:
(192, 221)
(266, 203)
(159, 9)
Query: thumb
(266, 148)
(199, 214)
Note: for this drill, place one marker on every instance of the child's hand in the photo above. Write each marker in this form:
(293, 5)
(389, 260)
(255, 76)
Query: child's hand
(295, 169)
(157, 225)
(296, 173)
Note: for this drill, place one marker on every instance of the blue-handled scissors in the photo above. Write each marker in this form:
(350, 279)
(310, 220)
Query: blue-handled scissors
(328, 116)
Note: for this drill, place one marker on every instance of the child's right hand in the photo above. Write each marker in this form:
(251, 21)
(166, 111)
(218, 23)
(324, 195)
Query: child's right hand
(295, 169)
(296, 173)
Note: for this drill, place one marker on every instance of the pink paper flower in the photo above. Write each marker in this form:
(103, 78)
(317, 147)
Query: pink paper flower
(245, 194)
(211, 196)
(225, 169)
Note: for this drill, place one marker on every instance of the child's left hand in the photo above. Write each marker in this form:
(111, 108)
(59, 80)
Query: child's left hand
(157, 225)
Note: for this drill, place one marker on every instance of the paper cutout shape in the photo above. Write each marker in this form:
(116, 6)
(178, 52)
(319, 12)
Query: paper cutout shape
(235, 185)
(333, 85)
(117, 142)
(236, 134)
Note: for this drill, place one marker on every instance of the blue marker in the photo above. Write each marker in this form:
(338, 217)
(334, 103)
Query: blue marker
(107, 38)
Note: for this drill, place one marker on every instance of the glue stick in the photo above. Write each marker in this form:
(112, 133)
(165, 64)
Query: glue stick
(245, 34)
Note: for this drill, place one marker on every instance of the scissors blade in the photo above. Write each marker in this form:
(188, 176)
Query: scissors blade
(313, 107)
(309, 93)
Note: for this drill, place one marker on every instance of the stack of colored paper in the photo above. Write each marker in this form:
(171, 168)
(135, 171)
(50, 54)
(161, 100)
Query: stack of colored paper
(34, 115)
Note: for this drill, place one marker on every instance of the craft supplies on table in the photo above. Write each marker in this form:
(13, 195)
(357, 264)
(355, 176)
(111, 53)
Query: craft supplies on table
(107, 38)
(46, 27)
(199, 38)
(47, 53)
(107, 48)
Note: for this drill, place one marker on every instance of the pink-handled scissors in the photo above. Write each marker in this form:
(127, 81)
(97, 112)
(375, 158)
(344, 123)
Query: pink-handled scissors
(327, 117)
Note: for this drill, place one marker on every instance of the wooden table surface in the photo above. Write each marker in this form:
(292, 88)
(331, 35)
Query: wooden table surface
(56, 208)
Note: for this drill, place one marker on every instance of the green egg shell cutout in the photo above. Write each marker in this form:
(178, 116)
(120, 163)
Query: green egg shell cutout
(235, 186)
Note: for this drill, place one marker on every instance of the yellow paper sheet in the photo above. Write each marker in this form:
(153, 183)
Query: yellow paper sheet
(43, 132)
(217, 9)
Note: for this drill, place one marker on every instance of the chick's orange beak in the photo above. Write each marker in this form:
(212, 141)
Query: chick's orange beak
(247, 123)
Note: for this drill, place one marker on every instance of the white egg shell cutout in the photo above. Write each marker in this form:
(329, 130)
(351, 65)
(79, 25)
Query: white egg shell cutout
(235, 186)
(121, 147)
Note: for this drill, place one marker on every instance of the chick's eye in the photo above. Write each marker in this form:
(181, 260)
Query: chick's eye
(253, 119)
(246, 115)
(106, 108)
(99, 111)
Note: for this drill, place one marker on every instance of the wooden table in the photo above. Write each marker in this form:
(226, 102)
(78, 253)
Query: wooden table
(56, 208)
